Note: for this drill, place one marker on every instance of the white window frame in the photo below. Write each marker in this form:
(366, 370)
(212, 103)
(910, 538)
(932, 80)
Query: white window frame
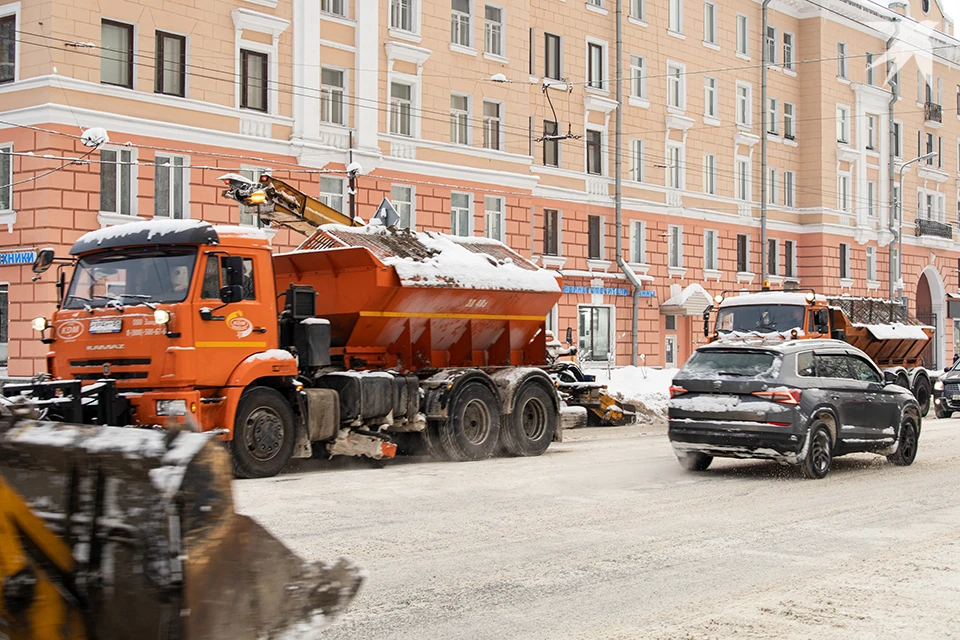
(670, 347)
(898, 147)
(675, 16)
(773, 256)
(711, 97)
(486, 124)
(184, 168)
(872, 199)
(711, 250)
(710, 23)
(602, 231)
(329, 90)
(773, 123)
(845, 261)
(790, 259)
(7, 180)
(675, 173)
(710, 174)
(638, 242)
(396, 10)
(636, 160)
(746, 258)
(594, 84)
(638, 77)
(547, 35)
(789, 121)
(603, 150)
(771, 42)
(743, 179)
(271, 26)
(870, 61)
(398, 203)
(459, 32)
(871, 142)
(871, 254)
(844, 184)
(330, 198)
(771, 185)
(13, 9)
(413, 104)
(789, 60)
(464, 120)
(843, 124)
(744, 113)
(488, 26)
(638, 10)
(559, 228)
(330, 11)
(743, 35)
(674, 233)
(133, 182)
(490, 214)
(676, 75)
(843, 71)
(790, 188)
(454, 227)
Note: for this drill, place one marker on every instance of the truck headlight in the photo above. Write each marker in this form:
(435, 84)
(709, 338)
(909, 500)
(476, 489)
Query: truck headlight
(39, 324)
(938, 385)
(171, 407)
(161, 316)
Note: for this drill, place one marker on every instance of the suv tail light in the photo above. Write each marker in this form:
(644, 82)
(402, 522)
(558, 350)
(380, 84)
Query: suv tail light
(676, 391)
(786, 396)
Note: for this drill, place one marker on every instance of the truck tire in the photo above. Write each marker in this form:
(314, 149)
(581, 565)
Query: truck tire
(472, 428)
(533, 423)
(263, 434)
(922, 392)
(431, 440)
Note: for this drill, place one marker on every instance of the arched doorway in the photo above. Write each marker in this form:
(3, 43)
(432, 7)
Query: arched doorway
(931, 294)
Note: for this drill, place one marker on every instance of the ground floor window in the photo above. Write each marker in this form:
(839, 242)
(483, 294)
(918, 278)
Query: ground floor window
(595, 344)
(670, 352)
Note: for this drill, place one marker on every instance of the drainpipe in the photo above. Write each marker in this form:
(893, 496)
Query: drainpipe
(894, 204)
(763, 146)
(618, 196)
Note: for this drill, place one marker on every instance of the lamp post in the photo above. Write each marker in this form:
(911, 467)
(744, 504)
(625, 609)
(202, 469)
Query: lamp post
(899, 210)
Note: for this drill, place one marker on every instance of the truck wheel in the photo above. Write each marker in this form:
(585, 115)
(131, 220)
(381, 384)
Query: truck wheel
(902, 380)
(431, 440)
(921, 391)
(472, 428)
(263, 434)
(532, 424)
(906, 444)
(819, 452)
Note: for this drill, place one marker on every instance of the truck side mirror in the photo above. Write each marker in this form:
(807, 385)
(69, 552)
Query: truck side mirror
(43, 261)
(706, 321)
(233, 271)
(569, 335)
(231, 293)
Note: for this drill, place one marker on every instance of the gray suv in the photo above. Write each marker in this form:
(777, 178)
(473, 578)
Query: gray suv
(800, 402)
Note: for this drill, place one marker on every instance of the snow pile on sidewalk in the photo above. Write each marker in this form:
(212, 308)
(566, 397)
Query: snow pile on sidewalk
(644, 387)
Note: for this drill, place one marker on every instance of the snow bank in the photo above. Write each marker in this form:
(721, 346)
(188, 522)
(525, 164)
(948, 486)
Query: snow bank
(895, 331)
(643, 387)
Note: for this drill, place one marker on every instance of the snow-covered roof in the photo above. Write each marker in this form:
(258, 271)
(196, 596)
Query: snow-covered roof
(145, 233)
(243, 232)
(895, 331)
(690, 293)
(768, 297)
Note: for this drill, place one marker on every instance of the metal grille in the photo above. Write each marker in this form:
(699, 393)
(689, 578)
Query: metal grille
(873, 310)
(951, 389)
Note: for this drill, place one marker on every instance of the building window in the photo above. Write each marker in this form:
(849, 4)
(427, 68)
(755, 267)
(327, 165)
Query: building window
(493, 217)
(459, 119)
(870, 63)
(789, 189)
(594, 152)
(773, 256)
(401, 196)
(171, 64)
(743, 35)
(594, 65)
(788, 51)
(8, 48)
(843, 124)
(710, 22)
(897, 139)
(638, 77)
(744, 115)
(670, 352)
(491, 125)
(743, 253)
(842, 60)
(169, 185)
(551, 146)
(770, 42)
(675, 246)
(843, 191)
(789, 259)
(844, 260)
(709, 173)
(771, 185)
(116, 181)
(710, 260)
(332, 6)
(551, 59)
(6, 178)
(331, 96)
(401, 15)
(772, 121)
(594, 237)
(331, 193)
(595, 3)
(638, 9)
(460, 23)
(871, 263)
(872, 199)
(676, 86)
(116, 53)
(675, 19)
(401, 119)
(460, 217)
(594, 332)
(711, 106)
(636, 160)
(551, 232)
(638, 242)
(742, 177)
(871, 132)
(789, 121)
(253, 80)
(675, 173)
(493, 30)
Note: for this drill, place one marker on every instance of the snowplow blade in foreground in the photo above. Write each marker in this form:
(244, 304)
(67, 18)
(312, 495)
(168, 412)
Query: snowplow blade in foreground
(116, 533)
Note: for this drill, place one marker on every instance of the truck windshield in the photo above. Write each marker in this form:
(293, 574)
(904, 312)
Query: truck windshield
(760, 318)
(132, 276)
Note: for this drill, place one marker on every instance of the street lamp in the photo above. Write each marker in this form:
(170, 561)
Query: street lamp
(926, 156)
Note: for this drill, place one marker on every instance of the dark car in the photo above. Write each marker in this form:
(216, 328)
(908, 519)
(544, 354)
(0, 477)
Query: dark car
(800, 402)
(946, 391)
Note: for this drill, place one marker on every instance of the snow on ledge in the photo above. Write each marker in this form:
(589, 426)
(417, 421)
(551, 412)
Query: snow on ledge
(895, 331)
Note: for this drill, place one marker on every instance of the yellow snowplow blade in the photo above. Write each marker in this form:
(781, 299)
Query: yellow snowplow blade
(116, 533)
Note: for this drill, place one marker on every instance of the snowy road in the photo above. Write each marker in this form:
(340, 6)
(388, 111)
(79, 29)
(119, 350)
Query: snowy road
(605, 537)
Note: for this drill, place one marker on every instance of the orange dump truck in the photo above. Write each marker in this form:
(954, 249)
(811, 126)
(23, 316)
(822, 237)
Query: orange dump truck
(361, 335)
(880, 328)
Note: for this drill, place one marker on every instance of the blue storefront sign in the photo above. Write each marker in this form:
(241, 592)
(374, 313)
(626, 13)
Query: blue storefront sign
(605, 291)
(17, 256)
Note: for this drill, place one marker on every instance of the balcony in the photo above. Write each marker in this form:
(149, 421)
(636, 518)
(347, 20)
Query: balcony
(934, 228)
(932, 113)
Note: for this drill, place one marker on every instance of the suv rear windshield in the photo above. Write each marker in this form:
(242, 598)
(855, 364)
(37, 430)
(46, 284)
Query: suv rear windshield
(737, 363)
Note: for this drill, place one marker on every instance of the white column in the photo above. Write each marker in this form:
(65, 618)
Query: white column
(366, 122)
(306, 68)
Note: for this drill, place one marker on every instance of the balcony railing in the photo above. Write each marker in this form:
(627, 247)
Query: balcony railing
(933, 112)
(934, 228)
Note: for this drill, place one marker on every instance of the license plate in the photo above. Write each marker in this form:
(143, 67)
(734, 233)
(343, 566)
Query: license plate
(955, 397)
(106, 326)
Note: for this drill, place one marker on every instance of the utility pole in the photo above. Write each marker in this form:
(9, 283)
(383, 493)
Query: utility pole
(891, 155)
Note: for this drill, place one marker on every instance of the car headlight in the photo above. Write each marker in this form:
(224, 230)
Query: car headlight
(39, 324)
(161, 316)
(938, 385)
(171, 407)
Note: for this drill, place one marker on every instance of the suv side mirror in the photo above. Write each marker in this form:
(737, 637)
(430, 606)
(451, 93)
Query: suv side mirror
(43, 261)
(231, 293)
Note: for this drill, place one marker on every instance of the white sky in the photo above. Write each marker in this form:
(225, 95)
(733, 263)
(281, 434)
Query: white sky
(952, 7)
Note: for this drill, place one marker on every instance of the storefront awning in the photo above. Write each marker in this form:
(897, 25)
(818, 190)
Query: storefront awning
(692, 301)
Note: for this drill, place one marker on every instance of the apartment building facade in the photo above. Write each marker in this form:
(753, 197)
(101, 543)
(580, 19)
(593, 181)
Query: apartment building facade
(498, 119)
